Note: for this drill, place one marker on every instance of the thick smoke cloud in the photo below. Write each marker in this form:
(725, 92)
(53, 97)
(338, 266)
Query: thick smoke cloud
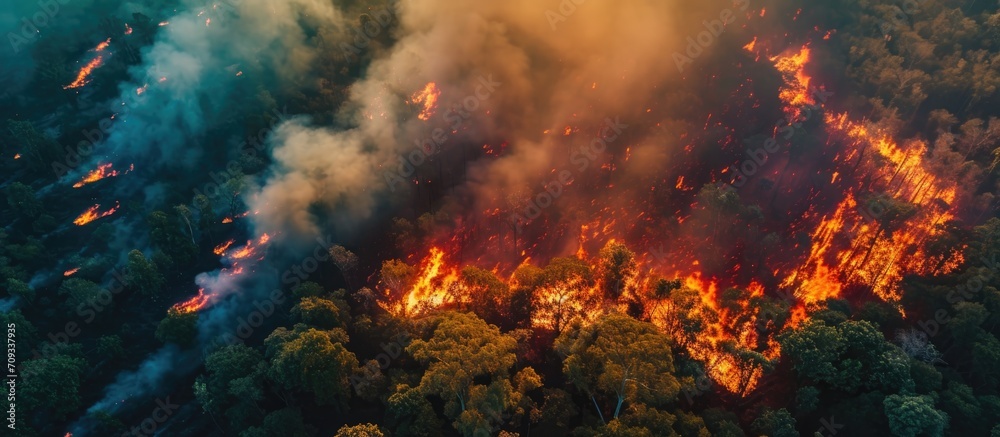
(198, 60)
(555, 67)
(595, 62)
(187, 76)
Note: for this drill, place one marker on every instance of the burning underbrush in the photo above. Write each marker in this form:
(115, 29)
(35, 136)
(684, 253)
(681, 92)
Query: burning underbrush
(702, 264)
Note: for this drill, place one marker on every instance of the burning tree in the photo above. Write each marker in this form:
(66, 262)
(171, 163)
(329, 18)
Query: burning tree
(486, 295)
(618, 271)
(396, 277)
(565, 290)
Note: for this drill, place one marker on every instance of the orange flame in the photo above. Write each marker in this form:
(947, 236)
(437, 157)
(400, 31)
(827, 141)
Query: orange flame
(433, 281)
(849, 245)
(250, 248)
(193, 304)
(795, 93)
(220, 249)
(428, 97)
(84, 73)
(92, 214)
(874, 256)
(70, 272)
(101, 172)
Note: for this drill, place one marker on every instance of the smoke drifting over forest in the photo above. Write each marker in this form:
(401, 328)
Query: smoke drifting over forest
(238, 204)
(503, 74)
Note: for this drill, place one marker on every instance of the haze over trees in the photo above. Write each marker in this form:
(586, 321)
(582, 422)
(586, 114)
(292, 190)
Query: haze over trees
(564, 340)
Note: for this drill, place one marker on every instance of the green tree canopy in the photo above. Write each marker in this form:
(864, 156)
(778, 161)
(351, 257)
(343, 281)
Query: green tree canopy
(51, 384)
(468, 365)
(619, 357)
(21, 198)
(323, 313)
(142, 275)
(312, 361)
(180, 327)
(233, 384)
(911, 416)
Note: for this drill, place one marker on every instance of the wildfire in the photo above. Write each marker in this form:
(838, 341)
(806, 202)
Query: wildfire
(93, 213)
(432, 284)
(250, 248)
(221, 249)
(17, 156)
(853, 243)
(193, 304)
(93, 64)
(428, 97)
(796, 91)
(234, 258)
(437, 284)
(878, 253)
(71, 272)
(230, 219)
(128, 29)
(101, 172)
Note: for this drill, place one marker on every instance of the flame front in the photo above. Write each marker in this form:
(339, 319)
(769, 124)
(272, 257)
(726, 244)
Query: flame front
(101, 172)
(239, 260)
(433, 283)
(95, 63)
(93, 213)
(849, 244)
(193, 304)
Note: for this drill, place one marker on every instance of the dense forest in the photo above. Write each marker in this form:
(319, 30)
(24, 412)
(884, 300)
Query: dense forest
(429, 218)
